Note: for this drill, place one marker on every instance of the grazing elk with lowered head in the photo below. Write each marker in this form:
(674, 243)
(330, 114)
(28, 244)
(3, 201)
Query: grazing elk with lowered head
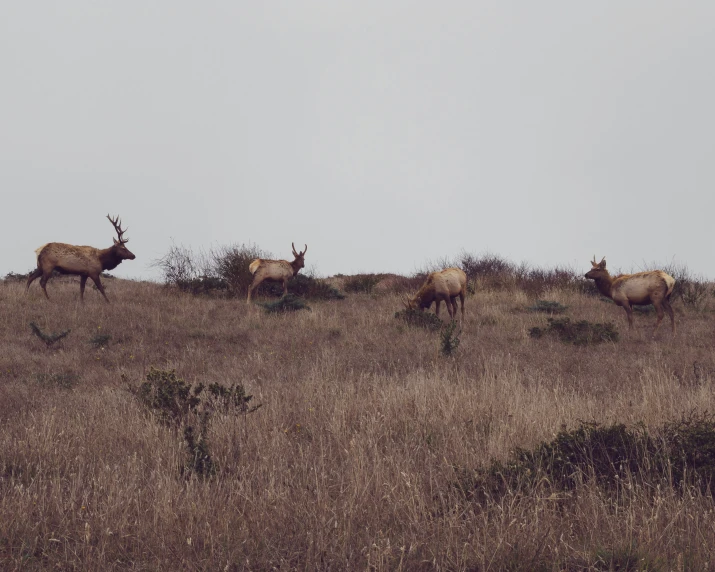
(83, 261)
(641, 289)
(444, 285)
(275, 270)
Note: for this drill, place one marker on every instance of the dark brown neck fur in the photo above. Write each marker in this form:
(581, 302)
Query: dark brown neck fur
(296, 266)
(604, 283)
(109, 258)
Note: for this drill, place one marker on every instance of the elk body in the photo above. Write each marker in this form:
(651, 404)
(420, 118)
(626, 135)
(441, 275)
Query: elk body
(275, 270)
(641, 289)
(444, 285)
(83, 261)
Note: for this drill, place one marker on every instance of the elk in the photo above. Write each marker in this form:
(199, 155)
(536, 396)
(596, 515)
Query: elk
(641, 289)
(83, 261)
(275, 270)
(444, 285)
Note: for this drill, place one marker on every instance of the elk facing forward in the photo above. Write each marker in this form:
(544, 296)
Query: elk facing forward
(83, 261)
(275, 270)
(443, 285)
(628, 290)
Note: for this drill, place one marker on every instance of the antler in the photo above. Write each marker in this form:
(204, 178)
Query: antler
(118, 227)
(297, 254)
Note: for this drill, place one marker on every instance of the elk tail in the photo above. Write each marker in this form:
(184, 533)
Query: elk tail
(253, 266)
(38, 251)
(670, 283)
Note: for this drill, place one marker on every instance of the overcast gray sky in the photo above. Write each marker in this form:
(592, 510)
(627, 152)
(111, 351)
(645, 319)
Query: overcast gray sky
(382, 134)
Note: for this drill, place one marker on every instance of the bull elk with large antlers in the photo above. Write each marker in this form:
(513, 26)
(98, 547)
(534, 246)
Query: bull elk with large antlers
(641, 289)
(83, 261)
(444, 285)
(275, 270)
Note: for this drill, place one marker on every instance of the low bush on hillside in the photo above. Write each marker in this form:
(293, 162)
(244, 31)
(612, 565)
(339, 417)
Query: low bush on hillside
(449, 339)
(579, 333)
(547, 307)
(223, 271)
(288, 303)
(182, 405)
(362, 283)
(419, 319)
(48, 339)
(679, 453)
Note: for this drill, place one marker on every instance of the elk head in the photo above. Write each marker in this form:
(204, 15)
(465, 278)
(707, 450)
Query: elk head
(119, 248)
(598, 269)
(299, 261)
(410, 303)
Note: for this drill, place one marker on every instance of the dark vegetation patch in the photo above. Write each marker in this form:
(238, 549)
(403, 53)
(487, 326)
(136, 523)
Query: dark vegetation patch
(288, 303)
(49, 339)
(223, 271)
(60, 380)
(419, 319)
(547, 307)
(362, 283)
(579, 333)
(449, 339)
(679, 453)
(100, 340)
(188, 407)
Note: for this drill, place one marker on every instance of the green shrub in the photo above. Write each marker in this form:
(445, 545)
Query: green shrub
(449, 339)
(287, 303)
(49, 339)
(579, 333)
(547, 307)
(305, 286)
(419, 319)
(100, 340)
(681, 453)
(362, 283)
(179, 404)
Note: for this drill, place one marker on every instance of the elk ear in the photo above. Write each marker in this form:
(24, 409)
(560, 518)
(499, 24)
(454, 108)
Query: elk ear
(115, 241)
(602, 264)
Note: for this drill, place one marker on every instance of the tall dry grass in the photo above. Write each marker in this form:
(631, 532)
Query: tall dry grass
(352, 461)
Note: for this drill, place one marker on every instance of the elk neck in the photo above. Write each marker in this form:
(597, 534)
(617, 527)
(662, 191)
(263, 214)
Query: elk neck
(109, 258)
(604, 284)
(296, 266)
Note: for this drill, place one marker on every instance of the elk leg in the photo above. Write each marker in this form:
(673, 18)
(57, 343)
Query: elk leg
(451, 307)
(669, 309)
(98, 282)
(436, 308)
(629, 314)
(36, 273)
(461, 299)
(659, 309)
(82, 282)
(256, 282)
(285, 286)
(43, 283)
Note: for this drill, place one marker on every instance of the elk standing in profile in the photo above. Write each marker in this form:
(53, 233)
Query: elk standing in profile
(444, 285)
(275, 270)
(628, 290)
(83, 261)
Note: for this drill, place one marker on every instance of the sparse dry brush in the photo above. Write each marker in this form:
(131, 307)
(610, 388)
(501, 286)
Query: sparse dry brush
(370, 450)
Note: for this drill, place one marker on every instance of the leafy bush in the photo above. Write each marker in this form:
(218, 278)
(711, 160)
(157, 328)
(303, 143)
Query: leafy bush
(287, 303)
(419, 319)
(100, 340)
(176, 403)
(307, 287)
(49, 339)
(680, 453)
(579, 333)
(362, 283)
(449, 339)
(16, 277)
(548, 307)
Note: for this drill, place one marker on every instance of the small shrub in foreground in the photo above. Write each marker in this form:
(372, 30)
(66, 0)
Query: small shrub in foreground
(578, 333)
(680, 453)
(419, 319)
(288, 303)
(100, 340)
(547, 307)
(64, 380)
(49, 339)
(361, 283)
(449, 339)
(306, 287)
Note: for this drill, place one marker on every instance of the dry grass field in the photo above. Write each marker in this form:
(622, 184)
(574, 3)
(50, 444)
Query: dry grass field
(357, 458)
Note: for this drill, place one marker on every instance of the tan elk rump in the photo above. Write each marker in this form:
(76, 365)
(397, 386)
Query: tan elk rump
(275, 270)
(641, 289)
(83, 261)
(444, 285)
